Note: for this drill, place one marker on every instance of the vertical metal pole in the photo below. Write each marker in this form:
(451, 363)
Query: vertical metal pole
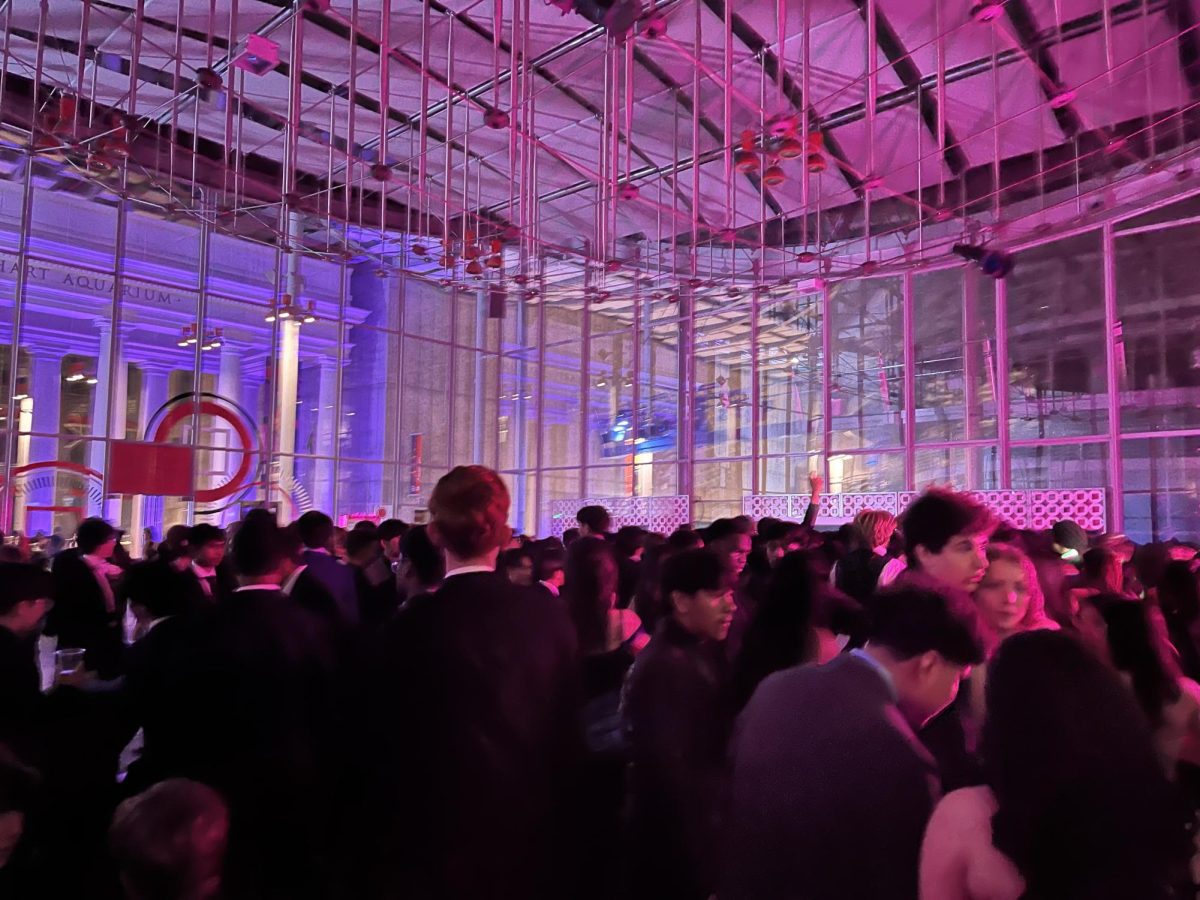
(755, 394)
(452, 386)
(585, 392)
(207, 211)
(543, 526)
(1116, 475)
(636, 388)
(970, 369)
(909, 385)
(10, 389)
(480, 375)
(1002, 384)
(827, 380)
(338, 414)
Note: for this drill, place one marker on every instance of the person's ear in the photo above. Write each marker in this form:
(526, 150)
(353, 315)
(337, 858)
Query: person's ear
(923, 555)
(435, 535)
(927, 663)
(680, 602)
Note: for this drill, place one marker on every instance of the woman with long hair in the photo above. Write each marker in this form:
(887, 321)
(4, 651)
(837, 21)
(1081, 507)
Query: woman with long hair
(1123, 632)
(1010, 601)
(608, 640)
(1075, 805)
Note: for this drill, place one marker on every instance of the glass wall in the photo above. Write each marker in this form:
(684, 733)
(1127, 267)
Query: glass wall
(155, 370)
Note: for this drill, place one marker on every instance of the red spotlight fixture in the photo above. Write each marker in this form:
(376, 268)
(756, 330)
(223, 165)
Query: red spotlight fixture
(381, 172)
(774, 175)
(496, 118)
(745, 160)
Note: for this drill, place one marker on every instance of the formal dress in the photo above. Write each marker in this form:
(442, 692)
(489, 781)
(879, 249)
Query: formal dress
(475, 744)
(338, 579)
(86, 613)
(677, 714)
(831, 789)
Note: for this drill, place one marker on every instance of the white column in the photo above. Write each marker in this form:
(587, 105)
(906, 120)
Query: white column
(103, 424)
(147, 510)
(287, 379)
(326, 436)
(229, 377)
(45, 391)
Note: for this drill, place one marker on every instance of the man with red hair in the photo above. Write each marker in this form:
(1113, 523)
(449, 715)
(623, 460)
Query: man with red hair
(476, 729)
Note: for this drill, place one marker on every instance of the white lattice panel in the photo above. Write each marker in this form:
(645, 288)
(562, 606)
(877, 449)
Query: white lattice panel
(1008, 506)
(660, 514)
(904, 500)
(1085, 506)
(831, 505)
(853, 504)
(766, 506)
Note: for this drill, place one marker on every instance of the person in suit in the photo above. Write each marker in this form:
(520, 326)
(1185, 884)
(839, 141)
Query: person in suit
(86, 613)
(210, 580)
(373, 579)
(24, 599)
(316, 532)
(677, 716)
(171, 623)
(594, 522)
(476, 739)
(550, 562)
(422, 565)
(831, 787)
(259, 689)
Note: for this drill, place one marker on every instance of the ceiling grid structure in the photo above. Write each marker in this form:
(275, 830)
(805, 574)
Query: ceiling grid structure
(567, 143)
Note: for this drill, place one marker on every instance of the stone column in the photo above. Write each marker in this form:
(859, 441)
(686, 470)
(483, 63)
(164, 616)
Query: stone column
(148, 510)
(326, 434)
(45, 392)
(104, 424)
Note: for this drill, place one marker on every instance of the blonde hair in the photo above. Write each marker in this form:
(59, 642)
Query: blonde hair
(1035, 612)
(875, 526)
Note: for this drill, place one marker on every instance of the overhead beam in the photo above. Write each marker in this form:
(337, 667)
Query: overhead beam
(1050, 81)
(910, 76)
(1183, 19)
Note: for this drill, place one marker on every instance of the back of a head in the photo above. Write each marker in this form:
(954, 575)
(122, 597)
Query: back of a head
(596, 518)
(258, 547)
(1070, 536)
(92, 533)
(1085, 810)
(550, 558)
(1103, 571)
(1138, 649)
(365, 525)
(169, 842)
(315, 530)
(591, 587)
(362, 544)
(684, 539)
(570, 536)
(21, 582)
(921, 616)
(629, 539)
(723, 529)
(937, 516)
(426, 560)
(875, 527)
(469, 509)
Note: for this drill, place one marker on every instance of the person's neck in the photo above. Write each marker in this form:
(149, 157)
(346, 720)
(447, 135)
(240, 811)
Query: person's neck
(271, 578)
(9, 623)
(465, 562)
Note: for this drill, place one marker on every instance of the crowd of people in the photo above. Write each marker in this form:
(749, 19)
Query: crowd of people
(942, 707)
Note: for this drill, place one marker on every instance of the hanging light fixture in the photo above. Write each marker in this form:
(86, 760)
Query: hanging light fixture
(745, 160)
(774, 175)
(74, 373)
(310, 315)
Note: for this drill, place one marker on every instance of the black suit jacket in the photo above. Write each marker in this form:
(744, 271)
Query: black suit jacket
(80, 617)
(831, 790)
(677, 714)
(338, 580)
(22, 706)
(476, 743)
(258, 688)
